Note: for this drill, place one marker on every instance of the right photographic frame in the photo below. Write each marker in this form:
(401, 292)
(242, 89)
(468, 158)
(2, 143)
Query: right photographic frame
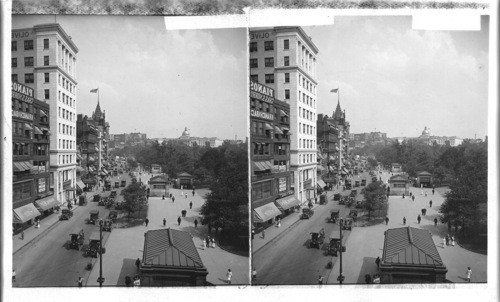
(369, 153)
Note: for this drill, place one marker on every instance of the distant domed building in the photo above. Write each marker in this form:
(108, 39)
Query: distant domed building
(185, 134)
(187, 139)
(426, 133)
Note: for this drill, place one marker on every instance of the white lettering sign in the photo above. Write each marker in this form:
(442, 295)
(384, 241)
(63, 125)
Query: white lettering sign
(21, 114)
(20, 34)
(264, 115)
(259, 35)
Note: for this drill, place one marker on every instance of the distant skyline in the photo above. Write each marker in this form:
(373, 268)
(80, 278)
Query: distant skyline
(397, 80)
(156, 81)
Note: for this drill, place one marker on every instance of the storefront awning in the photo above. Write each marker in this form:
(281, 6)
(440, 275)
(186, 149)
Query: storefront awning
(268, 127)
(25, 213)
(42, 113)
(288, 202)
(105, 171)
(80, 184)
(285, 129)
(321, 183)
(278, 130)
(28, 126)
(46, 203)
(265, 213)
(22, 166)
(38, 131)
(320, 155)
(89, 181)
(18, 167)
(283, 112)
(267, 164)
(258, 166)
(320, 168)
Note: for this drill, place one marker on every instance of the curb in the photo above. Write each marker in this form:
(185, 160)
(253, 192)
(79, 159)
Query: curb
(36, 239)
(279, 236)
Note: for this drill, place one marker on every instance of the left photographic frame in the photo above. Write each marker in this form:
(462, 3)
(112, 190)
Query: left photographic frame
(130, 157)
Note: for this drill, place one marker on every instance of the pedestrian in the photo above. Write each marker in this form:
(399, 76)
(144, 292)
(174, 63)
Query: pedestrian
(279, 222)
(447, 237)
(137, 281)
(368, 279)
(320, 280)
(386, 220)
(444, 241)
(403, 195)
(173, 199)
(179, 220)
(22, 235)
(13, 275)
(404, 220)
(422, 211)
(193, 192)
(207, 240)
(469, 274)
(190, 205)
(425, 212)
(430, 204)
(170, 195)
(229, 274)
(254, 274)
(80, 281)
(138, 263)
(196, 223)
(452, 241)
(432, 191)
(425, 194)
(419, 218)
(413, 198)
(212, 242)
(203, 243)
(435, 222)
(263, 234)
(164, 222)
(377, 261)
(147, 221)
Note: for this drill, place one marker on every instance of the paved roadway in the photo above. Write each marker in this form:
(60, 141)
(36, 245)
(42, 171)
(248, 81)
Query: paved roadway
(288, 260)
(48, 262)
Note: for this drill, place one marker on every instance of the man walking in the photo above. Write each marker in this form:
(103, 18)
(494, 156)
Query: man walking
(80, 281)
(173, 198)
(263, 234)
(229, 275)
(190, 205)
(147, 222)
(164, 222)
(404, 220)
(377, 261)
(430, 204)
(138, 263)
(193, 192)
(22, 235)
(179, 220)
(435, 222)
(469, 274)
(196, 223)
(419, 218)
(320, 280)
(413, 198)
(386, 220)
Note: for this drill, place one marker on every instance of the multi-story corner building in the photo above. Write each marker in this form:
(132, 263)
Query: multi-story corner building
(272, 178)
(31, 160)
(284, 58)
(333, 141)
(44, 58)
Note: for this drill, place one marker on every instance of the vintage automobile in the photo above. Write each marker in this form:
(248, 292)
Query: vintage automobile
(343, 200)
(102, 201)
(356, 183)
(109, 203)
(306, 213)
(65, 214)
(353, 193)
(334, 215)
(97, 197)
(113, 215)
(334, 244)
(323, 199)
(94, 246)
(348, 185)
(353, 214)
(337, 197)
(107, 225)
(76, 239)
(117, 184)
(134, 180)
(347, 224)
(119, 206)
(107, 186)
(113, 194)
(123, 183)
(82, 200)
(317, 239)
(374, 179)
(363, 182)
(94, 216)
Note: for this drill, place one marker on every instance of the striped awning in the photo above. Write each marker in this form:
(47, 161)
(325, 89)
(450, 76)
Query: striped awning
(28, 126)
(42, 113)
(285, 129)
(278, 130)
(46, 203)
(283, 112)
(80, 184)
(265, 213)
(25, 213)
(288, 202)
(321, 183)
(258, 166)
(38, 130)
(320, 168)
(268, 127)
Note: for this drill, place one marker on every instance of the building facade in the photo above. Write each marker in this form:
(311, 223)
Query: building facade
(32, 195)
(271, 175)
(44, 58)
(284, 59)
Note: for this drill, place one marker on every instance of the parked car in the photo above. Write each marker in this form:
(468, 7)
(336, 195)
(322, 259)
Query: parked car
(334, 215)
(94, 246)
(117, 184)
(107, 225)
(123, 183)
(323, 199)
(65, 214)
(353, 193)
(94, 216)
(76, 239)
(306, 213)
(317, 239)
(97, 197)
(337, 197)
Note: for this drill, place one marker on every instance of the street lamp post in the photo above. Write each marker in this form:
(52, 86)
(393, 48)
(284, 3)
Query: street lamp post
(100, 279)
(341, 277)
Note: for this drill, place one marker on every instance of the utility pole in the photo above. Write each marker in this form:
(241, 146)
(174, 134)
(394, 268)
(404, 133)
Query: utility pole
(341, 277)
(100, 279)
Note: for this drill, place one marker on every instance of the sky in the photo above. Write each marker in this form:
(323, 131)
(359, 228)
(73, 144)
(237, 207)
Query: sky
(156, 81)
(397, 80)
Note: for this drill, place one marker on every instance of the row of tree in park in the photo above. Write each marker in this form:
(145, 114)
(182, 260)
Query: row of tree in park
(224, 170)
(463, 168)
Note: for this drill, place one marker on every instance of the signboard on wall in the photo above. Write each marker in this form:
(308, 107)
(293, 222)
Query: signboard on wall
(261, 92)
(261, 114)
(22, 92)
(42, 186)
(282, 184)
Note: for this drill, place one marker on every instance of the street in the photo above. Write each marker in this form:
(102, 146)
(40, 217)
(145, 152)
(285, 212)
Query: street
(300, 264)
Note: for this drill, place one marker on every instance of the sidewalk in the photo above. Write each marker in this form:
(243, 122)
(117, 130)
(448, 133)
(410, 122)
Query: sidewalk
(32, 234)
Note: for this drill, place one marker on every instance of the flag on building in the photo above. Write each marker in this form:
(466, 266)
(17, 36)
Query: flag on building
(94, 90)
(334, 90)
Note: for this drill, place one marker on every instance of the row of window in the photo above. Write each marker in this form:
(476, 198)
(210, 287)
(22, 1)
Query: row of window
(66, 144)
(66, 159)
(30, 149)
(308, 62)
(308, 85)
(269, 78)
(66, 84)
(66, 99)
(307, 158)
(29, 78)
(29, 44)
(66, 129)
(66, 114)
(264, 189)
(29, 62)
(269, 45)
(26, 130)
(269, 62)
(307, 100)
(307, 143)
(265, 149)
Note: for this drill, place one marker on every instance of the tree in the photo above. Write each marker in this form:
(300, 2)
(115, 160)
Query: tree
(374, 194)
(135, 197)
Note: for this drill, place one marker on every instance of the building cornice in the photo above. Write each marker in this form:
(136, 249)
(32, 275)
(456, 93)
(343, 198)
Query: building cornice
(305, 37)
(60, 30)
